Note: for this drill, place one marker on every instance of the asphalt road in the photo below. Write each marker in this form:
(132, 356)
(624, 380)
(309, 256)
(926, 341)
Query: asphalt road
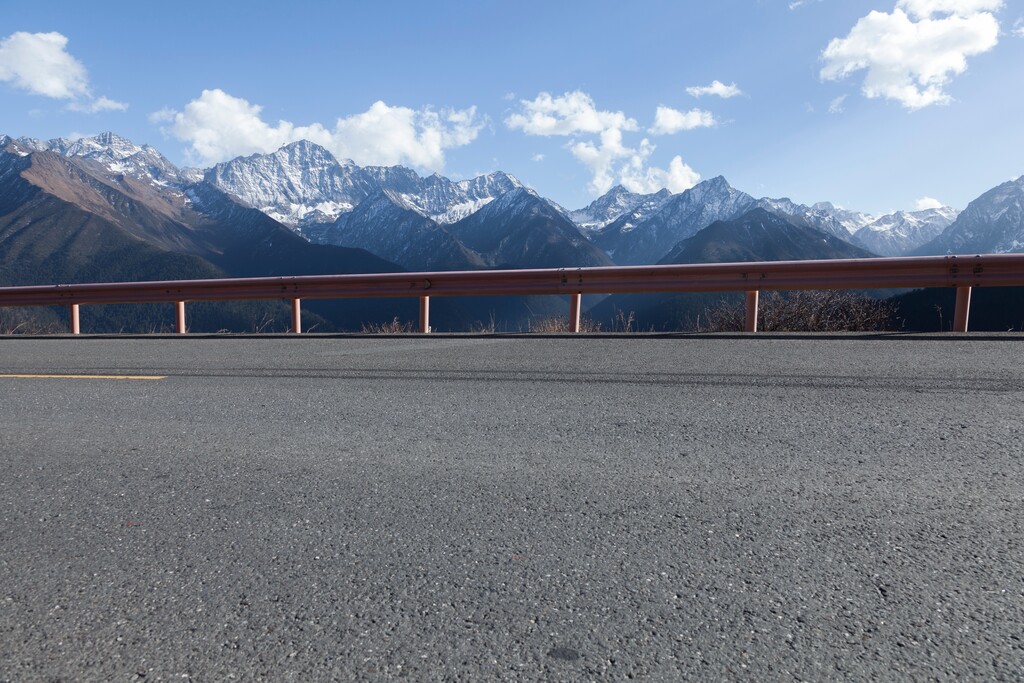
(760, 509)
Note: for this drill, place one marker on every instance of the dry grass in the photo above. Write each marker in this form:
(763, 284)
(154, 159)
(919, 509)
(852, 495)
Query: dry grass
(560, 325)
(803, 311)
(24, 321)
(393, 327)
(623, 322)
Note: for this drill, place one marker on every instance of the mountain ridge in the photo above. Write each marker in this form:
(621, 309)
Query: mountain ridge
(303, 186)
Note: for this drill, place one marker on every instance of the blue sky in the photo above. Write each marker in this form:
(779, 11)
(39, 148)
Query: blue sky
(872, 104)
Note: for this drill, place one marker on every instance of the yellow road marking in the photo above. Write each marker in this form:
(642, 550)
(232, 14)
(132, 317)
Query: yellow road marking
(15, 376)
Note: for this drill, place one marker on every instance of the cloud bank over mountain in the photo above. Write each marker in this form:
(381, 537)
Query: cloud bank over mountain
(218, 126)
(596, 139)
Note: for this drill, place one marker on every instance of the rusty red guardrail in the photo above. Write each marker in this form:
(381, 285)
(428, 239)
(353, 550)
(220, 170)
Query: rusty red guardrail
(961, 272)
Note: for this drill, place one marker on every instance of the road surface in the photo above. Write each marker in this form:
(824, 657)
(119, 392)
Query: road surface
(751, 508)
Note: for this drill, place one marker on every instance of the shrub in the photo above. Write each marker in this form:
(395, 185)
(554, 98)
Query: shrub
(803, 311)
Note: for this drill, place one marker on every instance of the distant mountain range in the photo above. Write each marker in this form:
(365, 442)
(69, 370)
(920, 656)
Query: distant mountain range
(104, 208)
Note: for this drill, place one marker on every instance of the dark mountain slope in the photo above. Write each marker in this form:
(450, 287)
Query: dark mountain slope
(522, 230)
(760, 236)
(384, 226)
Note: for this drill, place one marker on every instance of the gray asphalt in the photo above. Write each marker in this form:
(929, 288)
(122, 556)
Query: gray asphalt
(762, 509)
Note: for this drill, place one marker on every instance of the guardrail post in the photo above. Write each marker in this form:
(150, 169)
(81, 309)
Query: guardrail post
(425, 314)
(179, 316)
(751, 323)
(297, 316)
(963, 309)
(575, 299)
(76, 327)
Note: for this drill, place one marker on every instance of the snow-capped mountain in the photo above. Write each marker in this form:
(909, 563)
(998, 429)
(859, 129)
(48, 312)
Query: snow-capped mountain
(300, 182)
(850, 220)
(676, 218)
(303, 184)
(615, 203)
(305, 187)
(447, 201)
(903, 231)
(991, 224)
(823, 216)
(117, 155)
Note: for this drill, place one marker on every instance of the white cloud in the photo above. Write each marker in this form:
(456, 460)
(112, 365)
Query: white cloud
(668, 121)
(1018, 27)
(537, 157)
(601, 158)
(925, 203)
(97, 105)
(597, 141)
(925, 9)
(912, 61)
(218, 126)
(836, 105)
(717, 88)
(677, 178)
(39, 63)
(573, 112)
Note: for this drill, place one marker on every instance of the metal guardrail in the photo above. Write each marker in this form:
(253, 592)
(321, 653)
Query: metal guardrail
(961, 272)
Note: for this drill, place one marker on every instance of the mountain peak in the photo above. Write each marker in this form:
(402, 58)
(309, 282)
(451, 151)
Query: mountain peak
(514, 197)
(110, 139)
(305, 147)
(615, 203)
(617, 191)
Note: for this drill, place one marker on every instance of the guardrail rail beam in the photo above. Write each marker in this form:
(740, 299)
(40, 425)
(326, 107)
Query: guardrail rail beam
(959, 272)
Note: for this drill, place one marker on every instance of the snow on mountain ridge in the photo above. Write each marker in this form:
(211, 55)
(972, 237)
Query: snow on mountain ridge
(117, 154)
(897, 233)
(614, 204)
(824, 216)
(303, 183)
(298, 179)
(993, 223)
